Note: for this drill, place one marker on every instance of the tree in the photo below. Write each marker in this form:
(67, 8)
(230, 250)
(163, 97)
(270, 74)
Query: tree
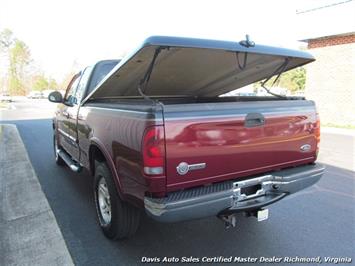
(19, 59)
(17, 56)
(293, 80)
(6, 40)
(20, 74)
(299, 78)
(40, 83)
(52, 84)
(65, 81)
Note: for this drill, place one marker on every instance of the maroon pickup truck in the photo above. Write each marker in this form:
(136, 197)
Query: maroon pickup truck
(158, 134)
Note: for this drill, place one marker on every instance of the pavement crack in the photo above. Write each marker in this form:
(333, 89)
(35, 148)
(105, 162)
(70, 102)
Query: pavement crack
(29, 215)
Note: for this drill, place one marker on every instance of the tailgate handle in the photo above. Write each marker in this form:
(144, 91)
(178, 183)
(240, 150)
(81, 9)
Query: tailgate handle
(254, 120)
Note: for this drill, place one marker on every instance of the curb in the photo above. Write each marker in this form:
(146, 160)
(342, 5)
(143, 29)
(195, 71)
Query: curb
(29, 231)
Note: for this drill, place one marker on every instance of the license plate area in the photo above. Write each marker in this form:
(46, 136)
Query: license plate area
(262, 215)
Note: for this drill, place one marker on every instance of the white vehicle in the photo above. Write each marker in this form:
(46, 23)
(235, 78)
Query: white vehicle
(45, 93)
(5, 98)
(35, 95)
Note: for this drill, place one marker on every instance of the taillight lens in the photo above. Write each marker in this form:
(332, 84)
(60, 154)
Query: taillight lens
(317, 132)
(153, 150)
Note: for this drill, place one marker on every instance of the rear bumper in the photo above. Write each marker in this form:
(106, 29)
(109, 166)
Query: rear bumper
(229, 196)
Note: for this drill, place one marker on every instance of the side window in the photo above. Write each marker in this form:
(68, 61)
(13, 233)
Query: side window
(82, 84)
(69, 95)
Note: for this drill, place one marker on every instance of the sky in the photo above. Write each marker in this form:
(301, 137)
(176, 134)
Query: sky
(63, 35)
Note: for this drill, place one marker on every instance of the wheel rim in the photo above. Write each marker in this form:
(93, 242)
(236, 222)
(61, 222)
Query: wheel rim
(104, 201)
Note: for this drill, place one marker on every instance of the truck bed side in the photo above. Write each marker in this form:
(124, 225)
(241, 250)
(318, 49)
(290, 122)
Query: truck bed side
(117, 130)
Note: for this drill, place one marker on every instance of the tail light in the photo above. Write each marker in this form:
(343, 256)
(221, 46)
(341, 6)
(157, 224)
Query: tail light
(317, 133)
(153, 150)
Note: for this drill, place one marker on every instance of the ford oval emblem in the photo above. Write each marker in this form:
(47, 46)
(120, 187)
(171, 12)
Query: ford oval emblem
(305, 148)
(182, 168)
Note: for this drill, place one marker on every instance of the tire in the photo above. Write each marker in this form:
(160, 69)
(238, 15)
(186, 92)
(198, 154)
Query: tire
(58, 159)
(118, 219)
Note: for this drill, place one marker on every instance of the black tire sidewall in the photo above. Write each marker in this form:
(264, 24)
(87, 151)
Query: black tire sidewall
(102, 171)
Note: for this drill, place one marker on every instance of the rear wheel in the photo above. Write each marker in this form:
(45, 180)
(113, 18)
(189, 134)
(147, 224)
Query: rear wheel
(118, 219)
(58, 159)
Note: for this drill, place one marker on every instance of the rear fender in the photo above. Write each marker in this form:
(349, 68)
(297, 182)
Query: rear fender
(110, 164)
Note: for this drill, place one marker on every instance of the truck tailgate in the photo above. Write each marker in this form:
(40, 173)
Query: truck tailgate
(221, 141)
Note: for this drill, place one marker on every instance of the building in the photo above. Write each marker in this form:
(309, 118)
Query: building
(331, 79)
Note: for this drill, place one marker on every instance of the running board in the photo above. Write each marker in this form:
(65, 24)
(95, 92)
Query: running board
(75, 167)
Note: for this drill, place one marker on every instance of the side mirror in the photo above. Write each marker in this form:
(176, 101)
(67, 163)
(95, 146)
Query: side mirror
(55, 97)
(71, 100)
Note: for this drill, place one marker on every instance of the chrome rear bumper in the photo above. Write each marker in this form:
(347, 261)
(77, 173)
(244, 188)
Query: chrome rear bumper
(230, 196)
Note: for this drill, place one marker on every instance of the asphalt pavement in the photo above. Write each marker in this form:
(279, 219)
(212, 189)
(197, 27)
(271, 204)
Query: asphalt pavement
(319, 221)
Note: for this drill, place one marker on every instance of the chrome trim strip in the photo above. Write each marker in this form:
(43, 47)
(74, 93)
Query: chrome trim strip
(116, 109)
(66, 135)
(197, 166)
(76, 167)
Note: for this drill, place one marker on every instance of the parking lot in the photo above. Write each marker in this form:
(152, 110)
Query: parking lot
(319, 221)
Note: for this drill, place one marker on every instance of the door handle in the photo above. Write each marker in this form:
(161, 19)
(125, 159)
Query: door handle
(254, 120)
(66, 114)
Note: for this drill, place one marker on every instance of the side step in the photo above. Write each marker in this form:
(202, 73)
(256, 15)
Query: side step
(74, 166)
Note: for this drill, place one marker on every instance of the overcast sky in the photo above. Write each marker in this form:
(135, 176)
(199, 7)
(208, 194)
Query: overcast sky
(61, 32)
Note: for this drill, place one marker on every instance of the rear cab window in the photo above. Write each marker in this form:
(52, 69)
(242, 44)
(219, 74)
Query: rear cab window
(100, 71)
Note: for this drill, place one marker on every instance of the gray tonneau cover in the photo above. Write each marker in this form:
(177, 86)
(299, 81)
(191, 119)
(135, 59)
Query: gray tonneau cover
(195, 67)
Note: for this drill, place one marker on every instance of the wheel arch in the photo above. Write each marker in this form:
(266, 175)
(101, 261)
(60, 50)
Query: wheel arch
(97, 152)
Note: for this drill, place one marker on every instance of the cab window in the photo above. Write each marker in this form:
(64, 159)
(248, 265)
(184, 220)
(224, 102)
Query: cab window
(69, 96)
(80, 91)
(101, 70)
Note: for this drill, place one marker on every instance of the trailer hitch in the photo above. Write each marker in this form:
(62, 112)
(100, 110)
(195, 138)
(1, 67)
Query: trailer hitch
(230, 220)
